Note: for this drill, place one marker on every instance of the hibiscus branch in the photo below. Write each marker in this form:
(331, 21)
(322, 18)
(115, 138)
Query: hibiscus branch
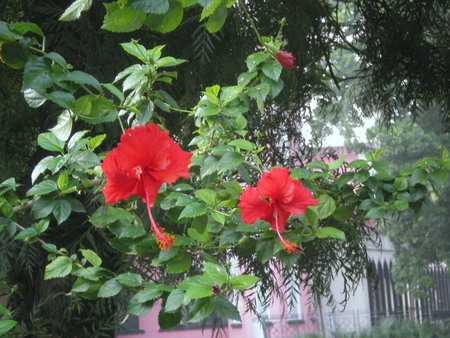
(250, 19)
(80, 187)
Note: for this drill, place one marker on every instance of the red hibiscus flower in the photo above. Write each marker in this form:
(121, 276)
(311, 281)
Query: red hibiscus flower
(285, 59)
(275, 198)
(145, 158)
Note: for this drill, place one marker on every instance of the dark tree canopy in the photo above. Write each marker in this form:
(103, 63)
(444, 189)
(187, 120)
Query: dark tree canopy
(402, 68)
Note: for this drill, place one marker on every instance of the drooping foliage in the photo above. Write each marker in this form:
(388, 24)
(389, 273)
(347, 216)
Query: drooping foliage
(238, 111)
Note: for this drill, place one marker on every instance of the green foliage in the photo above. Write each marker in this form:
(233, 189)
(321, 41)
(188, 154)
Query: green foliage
(417, 244)
(61, 217)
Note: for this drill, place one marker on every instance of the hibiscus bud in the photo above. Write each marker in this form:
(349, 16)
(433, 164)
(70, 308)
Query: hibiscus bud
(285, 59)
(216, 289)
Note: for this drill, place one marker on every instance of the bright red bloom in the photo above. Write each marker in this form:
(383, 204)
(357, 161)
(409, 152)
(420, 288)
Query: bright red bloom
(275, 198)
(285, 59)
(145, 158)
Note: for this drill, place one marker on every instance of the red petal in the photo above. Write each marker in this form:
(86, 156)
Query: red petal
(120, 185)
(253, 207)
(302, 199)
(148, 190)
(277, 185)
(143, 146)
(151, 149)
(282, 216)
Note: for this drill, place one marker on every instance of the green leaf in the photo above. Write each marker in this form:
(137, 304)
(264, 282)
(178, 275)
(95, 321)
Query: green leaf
(63, 180)
(233, 188)
(109, 289)
(245, 78)
(91, 257)
(6, 325)
(209, 6)
(167, 320)
(55, 57)
(135, 49)
(49, 247)
(193, 210)
(180, 263)
(169, 61)
(36, 75)
(200, 309)
(73, 12)
(84, 160)
(43, 206)
(175, 300)
(62, 99)
(197, 291)
(50, 142)
(400, 205)
(419, 176)
(362, 176)
(42, 188)
(375, 213)
(336, 163)
(95, 109)
(360, 164)
(150, 6)
(230, 93)
(129, 279)
(139, 309)
(167, 22)
(215, 274)
(229, 161)
(243, 282)
(326, 206)
(83, 78)
(242, 144)
(217, 19)
(400, 183)
(330, 232)
(150, 292)
(259, 92)
(26, 234)
(127, 229)
(62, 210)
(210, 165)
(14, 55)
(199, 237)
(75, 204)
(439, 177)
(59, 268)
(63, 127)
(26, 27)
(121, 19)
(115, 91)
(95, 141)
(253, 60)
(343, 212)
(272, 69)
(41, 226)
(34, 98)
(206, 195)
(226, 310)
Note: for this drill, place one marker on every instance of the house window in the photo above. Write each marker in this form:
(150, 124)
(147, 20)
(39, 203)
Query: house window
(130, 326)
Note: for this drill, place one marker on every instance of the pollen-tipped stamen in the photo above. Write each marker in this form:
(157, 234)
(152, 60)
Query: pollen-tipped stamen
(163, 239)
(288, 245)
